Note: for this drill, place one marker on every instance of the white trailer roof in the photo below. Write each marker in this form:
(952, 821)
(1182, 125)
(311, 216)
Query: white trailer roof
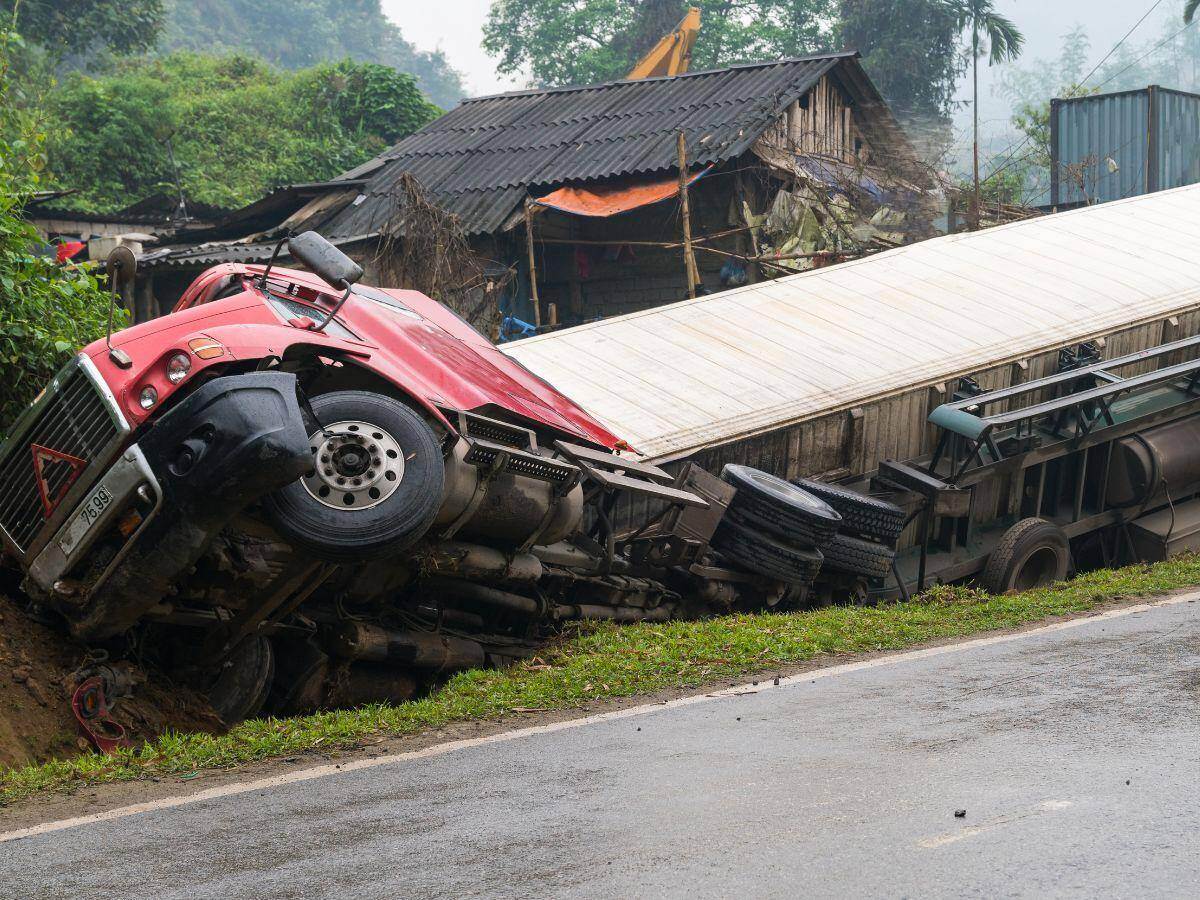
(682, 377)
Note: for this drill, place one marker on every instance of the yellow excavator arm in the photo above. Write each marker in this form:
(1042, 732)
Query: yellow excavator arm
(673, 54)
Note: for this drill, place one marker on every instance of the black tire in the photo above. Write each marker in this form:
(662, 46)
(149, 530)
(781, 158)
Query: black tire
(858, 557)
(241, 686)
(1033, 553)
(409, 498)
(768, 504)
(862, 515)
(764, 554)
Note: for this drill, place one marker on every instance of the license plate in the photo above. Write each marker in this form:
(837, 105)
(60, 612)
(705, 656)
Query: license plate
(87, 516)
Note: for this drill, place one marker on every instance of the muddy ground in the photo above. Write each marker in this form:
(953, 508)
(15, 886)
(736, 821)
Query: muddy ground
(39, 670)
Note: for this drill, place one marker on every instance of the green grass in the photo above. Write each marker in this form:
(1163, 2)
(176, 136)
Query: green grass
(604, 662)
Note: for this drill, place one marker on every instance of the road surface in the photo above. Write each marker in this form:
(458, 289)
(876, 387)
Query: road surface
(1073, 751)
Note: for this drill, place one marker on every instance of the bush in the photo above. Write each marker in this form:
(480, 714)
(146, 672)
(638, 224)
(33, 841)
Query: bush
(47, 311)
(237, 127)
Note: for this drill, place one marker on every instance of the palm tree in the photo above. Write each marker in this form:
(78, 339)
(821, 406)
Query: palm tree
(1004, 41)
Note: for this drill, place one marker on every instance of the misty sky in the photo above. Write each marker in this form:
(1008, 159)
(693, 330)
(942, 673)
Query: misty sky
(454, 26)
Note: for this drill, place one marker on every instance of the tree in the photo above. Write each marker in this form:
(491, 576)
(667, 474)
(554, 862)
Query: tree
(237, 127)
(1189, 10)
(910, 49)
(296, 34)
(63, 27)
(1004, 43)
(589, 41)
(49, 310)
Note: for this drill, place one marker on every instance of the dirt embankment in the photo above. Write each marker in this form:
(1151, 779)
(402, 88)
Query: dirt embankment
(39, 671)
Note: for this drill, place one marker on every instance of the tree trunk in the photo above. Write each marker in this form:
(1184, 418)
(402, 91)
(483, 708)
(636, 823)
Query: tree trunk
(975, 114)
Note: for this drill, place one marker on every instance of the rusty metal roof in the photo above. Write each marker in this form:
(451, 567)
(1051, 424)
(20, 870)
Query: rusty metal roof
(480, 159)
(699, 373)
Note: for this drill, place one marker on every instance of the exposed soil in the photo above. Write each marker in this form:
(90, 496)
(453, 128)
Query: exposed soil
(39, 671)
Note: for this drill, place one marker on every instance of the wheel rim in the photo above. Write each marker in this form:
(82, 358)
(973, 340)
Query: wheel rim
(1038, 570)
(357, 465)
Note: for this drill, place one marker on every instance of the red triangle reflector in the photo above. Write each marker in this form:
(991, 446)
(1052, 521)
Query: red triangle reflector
(45, 461)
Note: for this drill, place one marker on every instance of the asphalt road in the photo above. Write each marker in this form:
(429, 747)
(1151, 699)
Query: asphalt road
(1073, 752)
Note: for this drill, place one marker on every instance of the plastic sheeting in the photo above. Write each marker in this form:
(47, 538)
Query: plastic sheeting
(611, 199)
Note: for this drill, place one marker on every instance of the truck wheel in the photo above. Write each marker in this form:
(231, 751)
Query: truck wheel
(376, 483)
(241, 687)
(865, 516)
(763, 554)
(858, 557)
(1033, 553)
(768, 504)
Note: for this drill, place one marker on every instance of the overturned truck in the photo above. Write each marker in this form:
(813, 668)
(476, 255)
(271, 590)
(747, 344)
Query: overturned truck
(297, 491)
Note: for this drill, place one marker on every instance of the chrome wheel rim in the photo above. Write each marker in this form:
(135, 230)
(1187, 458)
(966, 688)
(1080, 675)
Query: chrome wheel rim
(357, 465)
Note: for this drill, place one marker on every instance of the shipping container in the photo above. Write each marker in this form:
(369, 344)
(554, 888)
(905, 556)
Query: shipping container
(1113, 146)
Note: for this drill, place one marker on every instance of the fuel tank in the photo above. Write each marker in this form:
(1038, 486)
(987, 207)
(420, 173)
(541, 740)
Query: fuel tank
(510, 509)
(1154, 462)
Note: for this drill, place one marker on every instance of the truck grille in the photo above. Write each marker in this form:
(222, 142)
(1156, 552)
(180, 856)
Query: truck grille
(74, 420)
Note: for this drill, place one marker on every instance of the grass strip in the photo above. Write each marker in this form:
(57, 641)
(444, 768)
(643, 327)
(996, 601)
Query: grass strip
(606, 661)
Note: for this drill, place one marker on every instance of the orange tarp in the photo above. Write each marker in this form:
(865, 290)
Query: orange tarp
(608, 200)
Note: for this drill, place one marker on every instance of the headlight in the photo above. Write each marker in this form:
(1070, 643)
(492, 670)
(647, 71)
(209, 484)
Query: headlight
(178, 367)
(148, 397)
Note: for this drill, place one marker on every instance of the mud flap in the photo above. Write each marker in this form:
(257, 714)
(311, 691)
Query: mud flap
(230, 442)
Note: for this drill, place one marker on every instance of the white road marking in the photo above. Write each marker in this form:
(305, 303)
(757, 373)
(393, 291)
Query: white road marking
(992, 824)
(324, 771)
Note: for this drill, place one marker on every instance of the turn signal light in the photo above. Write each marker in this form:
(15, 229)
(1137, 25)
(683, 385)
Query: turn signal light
(205, 348)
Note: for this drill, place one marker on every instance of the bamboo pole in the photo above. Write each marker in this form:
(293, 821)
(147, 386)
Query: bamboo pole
(533, 287)
(689, 260)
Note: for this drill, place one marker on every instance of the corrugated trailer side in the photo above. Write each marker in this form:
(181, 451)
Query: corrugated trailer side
(1146, 291)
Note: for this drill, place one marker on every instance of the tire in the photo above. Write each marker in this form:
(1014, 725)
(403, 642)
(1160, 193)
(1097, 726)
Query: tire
(1033, 553)
(376, 486)
(858, 557)
(864, 516)
(764, 554)
(771, 505)
(240, 688)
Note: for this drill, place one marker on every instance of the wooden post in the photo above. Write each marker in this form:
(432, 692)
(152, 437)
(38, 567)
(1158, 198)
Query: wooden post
(689, 261)
(533, 290)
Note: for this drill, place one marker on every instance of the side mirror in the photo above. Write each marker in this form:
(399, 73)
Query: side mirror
(324, 259)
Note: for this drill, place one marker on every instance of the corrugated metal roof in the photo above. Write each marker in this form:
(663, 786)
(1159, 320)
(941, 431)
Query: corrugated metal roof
(679, 378)
(479, 159)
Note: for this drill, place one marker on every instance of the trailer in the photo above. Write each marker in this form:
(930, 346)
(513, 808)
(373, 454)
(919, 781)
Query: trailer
(858, 375)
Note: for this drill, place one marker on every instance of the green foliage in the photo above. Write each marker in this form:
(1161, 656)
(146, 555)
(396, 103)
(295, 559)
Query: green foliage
(47, 311)
(603, 662)
(987, 28)
(910, 49)
(296, 34)
(600, 40)
(61, 27)
(237, 126)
